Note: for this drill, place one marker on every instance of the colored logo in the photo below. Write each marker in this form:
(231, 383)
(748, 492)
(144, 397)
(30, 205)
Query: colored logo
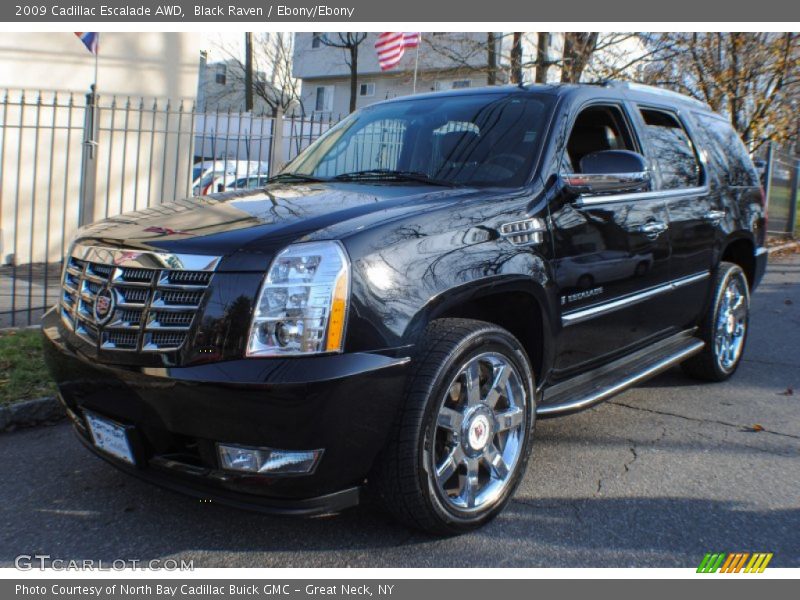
(103, 306)
(734, 562)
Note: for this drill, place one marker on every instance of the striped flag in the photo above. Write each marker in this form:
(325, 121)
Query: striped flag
(392, 45)
(90, 39)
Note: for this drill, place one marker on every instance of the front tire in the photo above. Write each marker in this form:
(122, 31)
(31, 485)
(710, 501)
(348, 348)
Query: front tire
(461, 442)
(724, 329)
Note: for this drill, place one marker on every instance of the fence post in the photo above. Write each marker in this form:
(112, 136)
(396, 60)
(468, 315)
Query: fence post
(276, 149)
(794, 197)
(89, 160)
(768, 173)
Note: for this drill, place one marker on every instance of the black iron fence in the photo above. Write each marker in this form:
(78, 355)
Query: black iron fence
(68, 159)
(781, 177)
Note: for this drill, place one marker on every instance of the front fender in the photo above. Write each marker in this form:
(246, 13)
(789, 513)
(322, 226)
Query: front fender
(397, 292)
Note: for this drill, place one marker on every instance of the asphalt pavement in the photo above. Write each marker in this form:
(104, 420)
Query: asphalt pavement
(657, 477)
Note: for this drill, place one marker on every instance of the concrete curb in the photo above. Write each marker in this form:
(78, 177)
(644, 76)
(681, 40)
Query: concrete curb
(29, 413)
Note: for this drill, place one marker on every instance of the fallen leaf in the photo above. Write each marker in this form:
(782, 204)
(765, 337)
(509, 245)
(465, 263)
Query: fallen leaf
(755, 428)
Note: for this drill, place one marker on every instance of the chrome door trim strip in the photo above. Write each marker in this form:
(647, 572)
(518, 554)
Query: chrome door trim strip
(144, 259)
(577, 316)
(605, 393)
(653, 195)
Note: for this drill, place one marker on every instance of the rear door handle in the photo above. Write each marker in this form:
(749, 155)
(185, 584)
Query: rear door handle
(714, 215)
(653, 229)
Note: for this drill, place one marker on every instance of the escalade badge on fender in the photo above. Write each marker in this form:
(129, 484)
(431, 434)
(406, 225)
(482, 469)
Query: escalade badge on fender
(103, 306)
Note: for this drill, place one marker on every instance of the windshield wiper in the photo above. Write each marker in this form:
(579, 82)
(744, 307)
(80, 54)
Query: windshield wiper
(294, 177)
(393, 175)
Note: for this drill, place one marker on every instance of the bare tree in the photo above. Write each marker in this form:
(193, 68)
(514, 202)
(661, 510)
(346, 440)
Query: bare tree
(461, 54)
(271, 72)
(350, 43)
(753, 78)
(542, 56)
(516, 58)
(578, 50)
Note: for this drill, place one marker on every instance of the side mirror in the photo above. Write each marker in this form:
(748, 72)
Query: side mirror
(609, 172)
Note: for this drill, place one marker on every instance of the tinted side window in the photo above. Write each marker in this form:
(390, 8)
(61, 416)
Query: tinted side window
(596, 128)
(671, 149)
(726, 151)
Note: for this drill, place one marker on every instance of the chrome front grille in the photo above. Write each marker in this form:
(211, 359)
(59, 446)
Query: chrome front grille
(153, 306)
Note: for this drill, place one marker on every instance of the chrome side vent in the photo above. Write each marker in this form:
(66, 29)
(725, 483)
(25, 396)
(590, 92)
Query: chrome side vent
(526, 232)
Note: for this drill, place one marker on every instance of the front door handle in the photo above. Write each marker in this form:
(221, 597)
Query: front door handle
(714, 215)
(653, 229)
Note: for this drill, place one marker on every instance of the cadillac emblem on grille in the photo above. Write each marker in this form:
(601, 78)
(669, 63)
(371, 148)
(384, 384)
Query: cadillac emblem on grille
(103, 306)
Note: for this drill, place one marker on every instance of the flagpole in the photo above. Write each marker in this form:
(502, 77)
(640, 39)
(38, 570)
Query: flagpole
(416, 63)
(96, 55)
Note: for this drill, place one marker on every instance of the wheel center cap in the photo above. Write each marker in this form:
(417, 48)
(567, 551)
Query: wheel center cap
(730, 325)
(478, 432)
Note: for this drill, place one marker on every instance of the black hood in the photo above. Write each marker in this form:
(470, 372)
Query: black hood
(246, 227)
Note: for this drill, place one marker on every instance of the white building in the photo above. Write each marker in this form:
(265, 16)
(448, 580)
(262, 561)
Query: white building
(445, 60)
(42, 133)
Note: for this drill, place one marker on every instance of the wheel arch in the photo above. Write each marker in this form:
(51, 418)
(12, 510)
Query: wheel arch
(516, 304)
(740, 250)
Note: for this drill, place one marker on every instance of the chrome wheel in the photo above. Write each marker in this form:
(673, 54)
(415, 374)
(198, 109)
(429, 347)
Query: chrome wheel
(480, 433)
(731, 324)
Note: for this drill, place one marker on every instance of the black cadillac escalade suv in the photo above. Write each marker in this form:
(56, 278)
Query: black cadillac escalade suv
(388, 318)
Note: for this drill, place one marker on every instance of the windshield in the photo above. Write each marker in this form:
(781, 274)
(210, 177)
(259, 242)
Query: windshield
(477, 140)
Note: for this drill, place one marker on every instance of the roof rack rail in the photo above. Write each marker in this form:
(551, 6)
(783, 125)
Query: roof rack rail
(651, 89)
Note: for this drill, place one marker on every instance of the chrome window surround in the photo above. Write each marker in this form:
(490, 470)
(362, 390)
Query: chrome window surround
(650, 195)
(578, 316)
(155, 296)
(612, 182)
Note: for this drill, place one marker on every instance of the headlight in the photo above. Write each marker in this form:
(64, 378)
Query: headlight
(302, 305)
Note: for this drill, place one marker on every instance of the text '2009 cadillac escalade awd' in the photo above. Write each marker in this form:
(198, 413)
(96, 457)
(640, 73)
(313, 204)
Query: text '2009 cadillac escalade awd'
(390, 315)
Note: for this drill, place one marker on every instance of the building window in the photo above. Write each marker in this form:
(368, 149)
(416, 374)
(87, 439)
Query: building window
(323, 101)
(316, 39)
(221, 75)
(366, 89)
(461, 84)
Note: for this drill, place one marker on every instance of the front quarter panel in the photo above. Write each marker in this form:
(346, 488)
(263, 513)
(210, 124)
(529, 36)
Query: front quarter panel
(407, 272)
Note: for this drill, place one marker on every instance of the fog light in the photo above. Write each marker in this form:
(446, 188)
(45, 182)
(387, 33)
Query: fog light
(268, 460)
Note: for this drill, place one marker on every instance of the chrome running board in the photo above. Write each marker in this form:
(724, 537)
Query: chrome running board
(595, 388)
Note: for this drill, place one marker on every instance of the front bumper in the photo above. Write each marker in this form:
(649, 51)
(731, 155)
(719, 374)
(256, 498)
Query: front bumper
(344, 404)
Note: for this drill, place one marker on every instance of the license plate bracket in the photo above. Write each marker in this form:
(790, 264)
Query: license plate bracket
(110, 437)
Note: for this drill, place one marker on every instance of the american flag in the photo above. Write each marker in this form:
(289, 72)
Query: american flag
(392, 45)
(90, 39)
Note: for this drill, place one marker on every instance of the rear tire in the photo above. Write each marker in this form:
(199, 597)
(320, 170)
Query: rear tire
(724, 328)
(460, 444)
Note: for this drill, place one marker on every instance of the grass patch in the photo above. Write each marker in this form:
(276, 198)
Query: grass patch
(22, 372)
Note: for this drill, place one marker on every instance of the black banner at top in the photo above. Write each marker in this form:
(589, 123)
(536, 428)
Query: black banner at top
(265, 11)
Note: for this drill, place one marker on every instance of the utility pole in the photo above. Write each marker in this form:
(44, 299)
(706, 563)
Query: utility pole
(491, 59)
(248, 71)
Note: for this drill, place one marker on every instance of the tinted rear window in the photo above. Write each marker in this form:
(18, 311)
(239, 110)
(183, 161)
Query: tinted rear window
(726, 151)
(672, 150)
